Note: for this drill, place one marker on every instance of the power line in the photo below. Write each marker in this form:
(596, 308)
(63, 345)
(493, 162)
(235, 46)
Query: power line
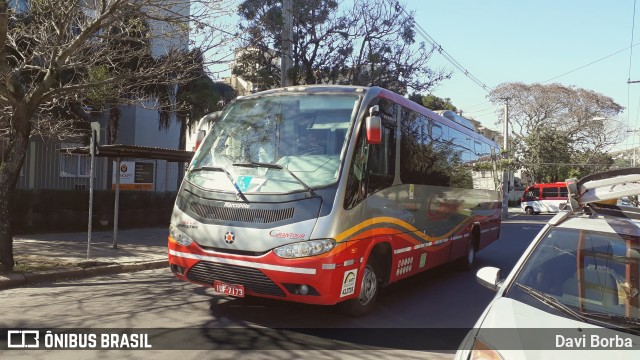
(439, 48)
(593, 62)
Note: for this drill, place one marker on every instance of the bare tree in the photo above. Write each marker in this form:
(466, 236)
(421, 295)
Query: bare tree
(588, 118)
(59, 56)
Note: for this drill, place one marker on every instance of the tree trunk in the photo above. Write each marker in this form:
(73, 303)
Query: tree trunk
(9, 175)
(114, 123)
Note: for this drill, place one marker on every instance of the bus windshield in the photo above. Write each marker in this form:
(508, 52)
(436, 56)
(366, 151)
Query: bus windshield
(278, 143)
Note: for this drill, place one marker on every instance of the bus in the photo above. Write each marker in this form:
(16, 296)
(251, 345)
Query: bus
(324, 194)
(539, 198)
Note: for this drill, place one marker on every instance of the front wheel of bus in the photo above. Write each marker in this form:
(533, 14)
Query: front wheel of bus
(366, 299)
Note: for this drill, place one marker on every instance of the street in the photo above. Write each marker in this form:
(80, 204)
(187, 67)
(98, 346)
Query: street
(440, 298)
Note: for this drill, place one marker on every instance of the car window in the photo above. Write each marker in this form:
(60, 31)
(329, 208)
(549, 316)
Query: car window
(532, 193)
(587, 270)
(550, 192)
(564, 192)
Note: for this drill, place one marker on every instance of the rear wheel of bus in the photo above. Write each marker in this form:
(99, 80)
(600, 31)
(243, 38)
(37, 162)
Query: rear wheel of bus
(366, 299)
(468, 262)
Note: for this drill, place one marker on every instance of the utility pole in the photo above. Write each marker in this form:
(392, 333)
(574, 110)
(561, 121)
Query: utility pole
(633, 161)
(287, 37)
(505, 171)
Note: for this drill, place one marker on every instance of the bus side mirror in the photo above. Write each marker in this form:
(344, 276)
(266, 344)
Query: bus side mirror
(199, 139)
(374, 130)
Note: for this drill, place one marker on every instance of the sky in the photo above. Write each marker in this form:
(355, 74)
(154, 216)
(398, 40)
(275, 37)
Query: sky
(543, 41)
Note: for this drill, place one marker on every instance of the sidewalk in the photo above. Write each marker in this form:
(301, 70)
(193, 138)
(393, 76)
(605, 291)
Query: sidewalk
(137, 249)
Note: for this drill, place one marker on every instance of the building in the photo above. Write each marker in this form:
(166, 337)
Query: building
(46, 167)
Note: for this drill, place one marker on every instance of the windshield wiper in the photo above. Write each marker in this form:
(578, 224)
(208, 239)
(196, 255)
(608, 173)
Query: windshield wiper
(551, 301)
(619, 320)
(279, 167)
(239, 194)
(596, 318)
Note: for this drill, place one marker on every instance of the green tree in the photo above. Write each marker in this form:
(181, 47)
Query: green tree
(546, 155)
(370, 43)
(197, 98)
(436, 103)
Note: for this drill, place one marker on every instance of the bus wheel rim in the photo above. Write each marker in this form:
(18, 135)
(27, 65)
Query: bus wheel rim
(369, 286)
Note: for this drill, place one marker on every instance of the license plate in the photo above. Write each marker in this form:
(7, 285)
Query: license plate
(229, 289)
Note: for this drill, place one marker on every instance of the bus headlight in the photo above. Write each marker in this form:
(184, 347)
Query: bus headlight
(179, 237)
(305, 248)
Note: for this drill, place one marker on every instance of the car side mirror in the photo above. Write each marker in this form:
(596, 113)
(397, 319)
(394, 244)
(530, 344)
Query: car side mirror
(489, 277)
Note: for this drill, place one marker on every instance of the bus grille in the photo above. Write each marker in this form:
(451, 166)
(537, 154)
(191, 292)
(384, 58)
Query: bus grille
(252, 279)
(257, 216)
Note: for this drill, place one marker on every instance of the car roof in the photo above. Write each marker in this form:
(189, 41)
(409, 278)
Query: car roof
(592, 200)
(619, 224)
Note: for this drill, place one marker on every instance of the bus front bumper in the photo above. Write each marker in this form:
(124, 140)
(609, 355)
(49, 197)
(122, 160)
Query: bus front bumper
(311, 280)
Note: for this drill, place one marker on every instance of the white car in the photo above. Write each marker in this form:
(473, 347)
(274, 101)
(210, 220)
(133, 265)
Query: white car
(575, 292)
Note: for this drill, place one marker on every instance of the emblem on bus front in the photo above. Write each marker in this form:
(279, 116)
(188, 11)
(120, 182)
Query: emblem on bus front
(229, 237)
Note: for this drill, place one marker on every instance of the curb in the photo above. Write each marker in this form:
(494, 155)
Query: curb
(9, 281)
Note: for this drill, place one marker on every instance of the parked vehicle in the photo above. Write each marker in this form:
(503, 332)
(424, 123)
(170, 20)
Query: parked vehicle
(544, 198)
(304, 194)
(579, 279)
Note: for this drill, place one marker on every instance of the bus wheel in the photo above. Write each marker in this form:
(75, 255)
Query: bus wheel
(469, 260)
(529, 210)
(366, 299)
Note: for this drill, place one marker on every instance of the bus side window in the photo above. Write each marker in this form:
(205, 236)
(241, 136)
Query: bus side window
(382, 162)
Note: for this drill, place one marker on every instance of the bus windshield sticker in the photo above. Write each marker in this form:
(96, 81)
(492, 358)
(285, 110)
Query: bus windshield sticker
(349, 282)
(243, 182)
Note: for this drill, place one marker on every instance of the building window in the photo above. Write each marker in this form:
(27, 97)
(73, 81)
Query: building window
(73, 165)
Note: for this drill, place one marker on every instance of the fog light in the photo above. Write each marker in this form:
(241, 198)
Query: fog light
(176, 269)
(304, 290)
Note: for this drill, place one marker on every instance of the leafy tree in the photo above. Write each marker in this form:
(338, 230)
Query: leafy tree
(370, 43)
(60, 57)
(197, 98)
(546, 155)
(436, 103)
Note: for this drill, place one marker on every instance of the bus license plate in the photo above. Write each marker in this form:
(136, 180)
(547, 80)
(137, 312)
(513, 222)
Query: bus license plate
(229, 289)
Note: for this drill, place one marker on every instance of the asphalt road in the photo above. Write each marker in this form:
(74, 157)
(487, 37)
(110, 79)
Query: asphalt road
(409, 312)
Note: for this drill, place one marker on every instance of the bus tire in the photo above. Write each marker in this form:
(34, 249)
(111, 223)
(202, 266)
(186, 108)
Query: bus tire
(529, 210)
(369, 289)
(468, 262)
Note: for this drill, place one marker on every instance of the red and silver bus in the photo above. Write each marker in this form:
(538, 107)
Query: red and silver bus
(324, 194)
(549, 198)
